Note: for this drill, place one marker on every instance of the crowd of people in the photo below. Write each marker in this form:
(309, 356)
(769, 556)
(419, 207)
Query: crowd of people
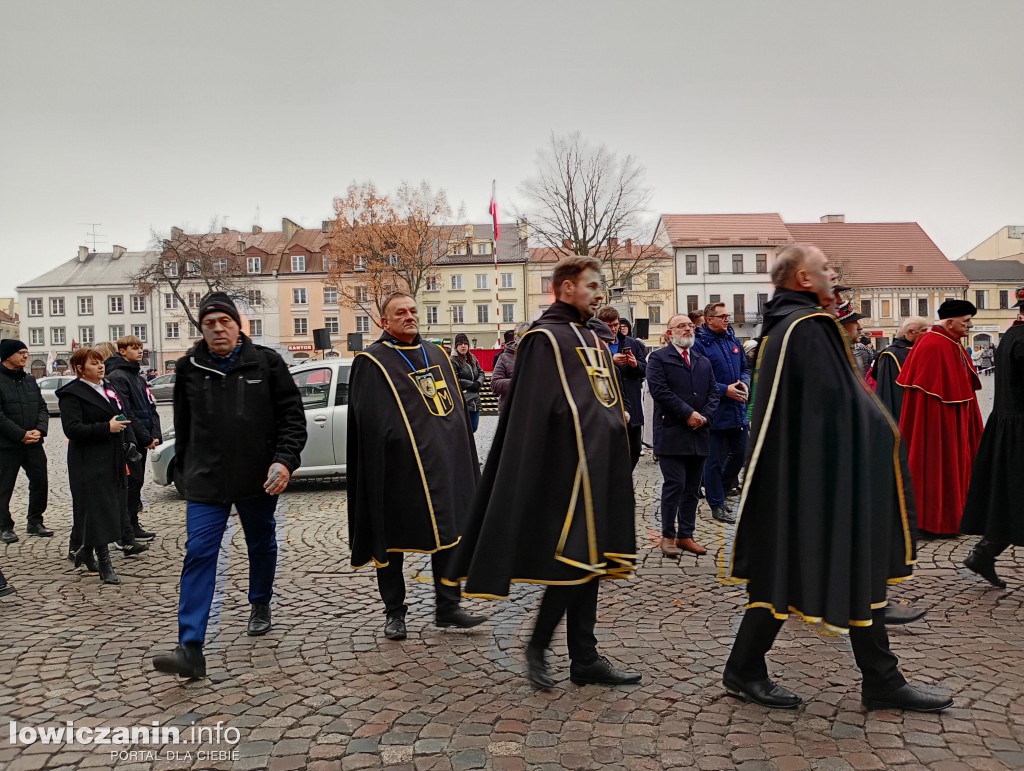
(554, 504)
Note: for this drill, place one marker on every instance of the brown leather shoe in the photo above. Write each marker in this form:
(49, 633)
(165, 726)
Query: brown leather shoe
(691, 546)
(668, 547)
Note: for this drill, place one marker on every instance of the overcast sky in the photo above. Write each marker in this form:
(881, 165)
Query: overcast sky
(143, 115)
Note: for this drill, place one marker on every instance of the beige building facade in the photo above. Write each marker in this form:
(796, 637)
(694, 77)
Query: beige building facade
(993, 290)
(1007, 243)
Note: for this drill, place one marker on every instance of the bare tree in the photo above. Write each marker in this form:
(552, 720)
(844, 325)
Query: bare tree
(382, 243)
(191, 265)
(586, 200)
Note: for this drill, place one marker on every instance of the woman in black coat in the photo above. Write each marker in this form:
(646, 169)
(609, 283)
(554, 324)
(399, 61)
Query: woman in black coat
(89, 411)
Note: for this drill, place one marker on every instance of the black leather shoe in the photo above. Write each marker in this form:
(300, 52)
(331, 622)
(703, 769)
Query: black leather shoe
(908, 698)
(902, 614)
(106, 570)
(722, 514)
(141, 534)
(537, 670)
(259, 620)
(6, 589)
(186, 661)
(394, 629)
(763, 692)
(984, 566)
(39, 530)
(601, 672)
(8, 535)
(459, 618)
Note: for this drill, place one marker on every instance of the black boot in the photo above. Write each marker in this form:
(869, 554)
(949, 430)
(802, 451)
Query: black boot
(982, 560)
(106, 570)
(186, 661)
(259, 620)
(84, 556)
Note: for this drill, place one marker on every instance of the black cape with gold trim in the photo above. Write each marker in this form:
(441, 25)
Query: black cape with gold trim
(555, 505)
(993, 507)
(886, 370)
(826, 515)
(412, 465)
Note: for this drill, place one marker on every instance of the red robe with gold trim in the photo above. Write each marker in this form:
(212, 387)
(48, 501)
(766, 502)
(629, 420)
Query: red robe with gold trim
(941, 425)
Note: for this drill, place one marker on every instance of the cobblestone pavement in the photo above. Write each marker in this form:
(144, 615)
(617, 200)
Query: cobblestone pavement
(324, 690)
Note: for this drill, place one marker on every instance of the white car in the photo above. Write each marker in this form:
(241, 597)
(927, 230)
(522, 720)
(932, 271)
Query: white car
(48, 386)
(324, 389)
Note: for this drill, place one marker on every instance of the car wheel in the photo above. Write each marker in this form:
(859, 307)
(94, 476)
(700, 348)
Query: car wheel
(174, 479)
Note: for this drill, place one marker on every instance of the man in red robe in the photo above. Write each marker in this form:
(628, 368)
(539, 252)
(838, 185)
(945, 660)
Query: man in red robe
(940, 419)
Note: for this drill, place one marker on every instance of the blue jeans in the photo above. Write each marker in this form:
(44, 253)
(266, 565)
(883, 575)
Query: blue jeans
(728, 452)
(205, 524)
(474, 420)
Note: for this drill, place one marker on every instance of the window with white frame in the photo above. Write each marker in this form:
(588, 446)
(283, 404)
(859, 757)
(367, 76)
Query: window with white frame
(457, 281)
(254, 297)
(193, 267)
(140, 331)
(481, 280)
(506, 281)
(508, 313)
(654, 281)
(299, 296)
(170, 301)
(483, 248)
(331, 324)
(170, 268)
(457, 247)
(87, 335)
(298, 263)
(253, 264)
(35, 306)
(457, 315)
(300, 325)
(171, 331)
(115, 304)
(483, 314)
(433, 284)
(363, 324)
(193, 299)
(37, 336)
(256, 328)
(360, 294)
(737, 263)
(359, 262)
(116, 331)
(84, 306)
(431, 314)
(56, 306)
(57, 336)
(654, 314)
(330, 295)
(691, 265)
(138, 303)
(545, 284)
(220, 265)
(327, 263)
(194, 331)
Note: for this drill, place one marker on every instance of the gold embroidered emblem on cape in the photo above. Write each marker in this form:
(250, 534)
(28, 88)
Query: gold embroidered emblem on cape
(434, 390)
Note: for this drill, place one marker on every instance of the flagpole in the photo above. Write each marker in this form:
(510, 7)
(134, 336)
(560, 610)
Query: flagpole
(494, 251)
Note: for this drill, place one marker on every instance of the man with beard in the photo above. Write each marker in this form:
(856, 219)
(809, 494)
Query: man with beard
(940, 418)
(811, 540)
(555, 504)
(993, 508)
(890, 362)
(686, 400)
(412, 466)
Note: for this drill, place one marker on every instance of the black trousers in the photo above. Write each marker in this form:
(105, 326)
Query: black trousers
(391, 582)
(578, 604)
(877, 663)
(680, 488)
(636, 438)
(32, 458)
(136, 477)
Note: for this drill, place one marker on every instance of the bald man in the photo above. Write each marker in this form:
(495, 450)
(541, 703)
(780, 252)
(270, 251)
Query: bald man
(890, 362)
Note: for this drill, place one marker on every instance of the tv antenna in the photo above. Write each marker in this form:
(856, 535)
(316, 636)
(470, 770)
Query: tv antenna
(93, 235)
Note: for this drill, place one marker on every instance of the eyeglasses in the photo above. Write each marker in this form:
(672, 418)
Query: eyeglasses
(720, 316)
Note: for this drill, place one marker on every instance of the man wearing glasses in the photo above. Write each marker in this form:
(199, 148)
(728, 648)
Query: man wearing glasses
(686, 399)
(729, 434)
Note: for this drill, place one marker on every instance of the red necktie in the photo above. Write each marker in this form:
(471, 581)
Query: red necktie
(686, 357)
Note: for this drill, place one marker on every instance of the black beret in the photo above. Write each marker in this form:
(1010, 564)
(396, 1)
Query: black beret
(951, 309)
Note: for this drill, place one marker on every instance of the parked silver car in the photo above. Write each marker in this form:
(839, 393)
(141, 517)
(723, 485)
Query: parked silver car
(48, 386)
(324, 389)
(162, 387)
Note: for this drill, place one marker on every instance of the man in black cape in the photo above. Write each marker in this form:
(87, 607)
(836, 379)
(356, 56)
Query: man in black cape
(993, 508)
(555, 505)
(811, 539)
(412, 465)
(890, 362)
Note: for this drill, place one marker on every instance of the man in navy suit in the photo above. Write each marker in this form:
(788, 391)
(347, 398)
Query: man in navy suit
(682, 384)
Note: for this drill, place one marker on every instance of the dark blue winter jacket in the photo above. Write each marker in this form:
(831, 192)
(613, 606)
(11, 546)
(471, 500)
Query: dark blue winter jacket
(729, 363)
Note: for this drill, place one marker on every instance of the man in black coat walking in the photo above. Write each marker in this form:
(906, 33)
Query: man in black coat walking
(23, 423)
(239, 433)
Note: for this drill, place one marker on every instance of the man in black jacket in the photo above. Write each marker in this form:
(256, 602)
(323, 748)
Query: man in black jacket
(239, 433)
(124, 373)
(23, 423)
(630, 358)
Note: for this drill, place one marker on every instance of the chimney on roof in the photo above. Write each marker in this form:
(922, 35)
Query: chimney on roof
(324, 226)
(910, 269)
(524, 229)
(469, 231)
(176, 233)
(289, 228)
(225, 230)
(833, 218)
(567, 243)
(629, 244)
(83, 253)
(256, 229)
(613, 243)
(240, 245)
(118, 252)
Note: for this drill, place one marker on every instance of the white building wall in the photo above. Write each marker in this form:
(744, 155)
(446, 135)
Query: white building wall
(703, 284)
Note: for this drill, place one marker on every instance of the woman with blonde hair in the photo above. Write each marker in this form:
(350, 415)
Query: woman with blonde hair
(91, 415)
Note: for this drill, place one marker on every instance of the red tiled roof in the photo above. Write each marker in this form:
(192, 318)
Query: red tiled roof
(877, 254)
(635, 251)
(712, 229)
(7, 318)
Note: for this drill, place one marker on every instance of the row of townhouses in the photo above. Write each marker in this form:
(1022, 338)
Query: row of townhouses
(482, 288)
